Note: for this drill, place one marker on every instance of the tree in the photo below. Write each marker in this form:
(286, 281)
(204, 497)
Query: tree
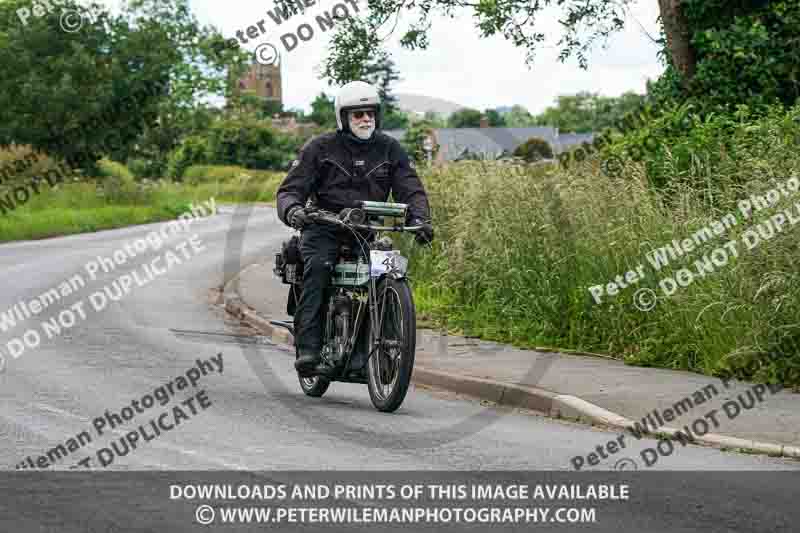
(496, 120)
(395, 119)
(357, 39)
(584, 23)
(205, 68)
(585, 112)
(534, 149)
(56, 85)
(323, 111)
(122, 80)
(434, 119)
(269, 108)
(381, 73)
(519, 117)
(236, 140)
(744, 52)
(465, 118)
(679, 38)
(610, 111)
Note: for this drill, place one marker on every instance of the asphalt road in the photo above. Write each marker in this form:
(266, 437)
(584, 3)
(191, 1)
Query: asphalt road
(252, 415)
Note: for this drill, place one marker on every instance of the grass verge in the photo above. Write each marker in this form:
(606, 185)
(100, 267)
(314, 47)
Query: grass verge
(518, 249)
(118, 201)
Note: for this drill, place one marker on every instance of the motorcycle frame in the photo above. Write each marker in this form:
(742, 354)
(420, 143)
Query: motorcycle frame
(376, 314)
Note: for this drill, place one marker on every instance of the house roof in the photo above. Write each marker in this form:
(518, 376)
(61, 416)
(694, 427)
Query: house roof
(493, 142)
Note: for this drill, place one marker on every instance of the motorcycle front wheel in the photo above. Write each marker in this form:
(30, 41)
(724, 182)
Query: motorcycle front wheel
(314, 386)
(390, 366)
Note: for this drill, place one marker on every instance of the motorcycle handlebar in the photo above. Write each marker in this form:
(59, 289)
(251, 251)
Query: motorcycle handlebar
(332, 218)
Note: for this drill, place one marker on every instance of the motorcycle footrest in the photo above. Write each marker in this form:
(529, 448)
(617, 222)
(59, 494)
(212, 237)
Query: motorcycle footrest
(283, 324)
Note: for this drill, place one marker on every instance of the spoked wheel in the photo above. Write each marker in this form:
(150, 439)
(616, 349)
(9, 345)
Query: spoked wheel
(390, 366)
(314, 386)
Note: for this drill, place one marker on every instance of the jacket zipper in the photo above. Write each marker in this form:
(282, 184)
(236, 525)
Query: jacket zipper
(338, 165)
(376, 168)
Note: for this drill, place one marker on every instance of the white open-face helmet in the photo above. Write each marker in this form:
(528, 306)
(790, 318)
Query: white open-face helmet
(356, 95)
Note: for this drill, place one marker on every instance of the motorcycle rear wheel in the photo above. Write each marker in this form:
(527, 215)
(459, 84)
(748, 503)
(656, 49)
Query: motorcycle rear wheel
(390, 366)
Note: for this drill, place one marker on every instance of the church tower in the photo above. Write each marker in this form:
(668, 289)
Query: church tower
(263, 81)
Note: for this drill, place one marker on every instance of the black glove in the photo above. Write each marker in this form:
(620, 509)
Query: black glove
(424, 235)
(297, 218)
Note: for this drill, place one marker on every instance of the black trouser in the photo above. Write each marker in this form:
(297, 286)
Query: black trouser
(319, 246)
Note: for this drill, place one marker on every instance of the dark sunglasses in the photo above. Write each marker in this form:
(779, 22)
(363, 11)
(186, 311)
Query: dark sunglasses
(359, 114)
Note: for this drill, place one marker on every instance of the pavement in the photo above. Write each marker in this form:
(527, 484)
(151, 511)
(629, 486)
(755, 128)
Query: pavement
(603, 391)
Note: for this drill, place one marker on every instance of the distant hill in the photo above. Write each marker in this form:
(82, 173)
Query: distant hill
(417, 103)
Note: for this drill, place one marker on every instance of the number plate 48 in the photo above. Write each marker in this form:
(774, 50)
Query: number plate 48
(387, 262)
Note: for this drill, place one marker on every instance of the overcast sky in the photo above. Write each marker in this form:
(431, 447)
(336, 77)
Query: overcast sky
(458, 65)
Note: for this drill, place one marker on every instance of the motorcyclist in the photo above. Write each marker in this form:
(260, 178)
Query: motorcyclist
(334, 171)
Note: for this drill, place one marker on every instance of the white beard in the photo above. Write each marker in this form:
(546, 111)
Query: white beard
(363, 133)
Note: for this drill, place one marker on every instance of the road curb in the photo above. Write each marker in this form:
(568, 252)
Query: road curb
(548, 402)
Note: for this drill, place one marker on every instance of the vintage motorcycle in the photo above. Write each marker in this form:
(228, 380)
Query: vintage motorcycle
(369, 333)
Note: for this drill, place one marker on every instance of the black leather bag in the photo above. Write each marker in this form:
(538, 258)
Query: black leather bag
(289, 267)
(289, 262)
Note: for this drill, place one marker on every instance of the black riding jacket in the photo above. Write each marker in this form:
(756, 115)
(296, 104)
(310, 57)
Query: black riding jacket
(336, 172)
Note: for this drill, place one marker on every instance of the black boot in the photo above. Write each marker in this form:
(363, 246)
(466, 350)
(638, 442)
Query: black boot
(307, 362)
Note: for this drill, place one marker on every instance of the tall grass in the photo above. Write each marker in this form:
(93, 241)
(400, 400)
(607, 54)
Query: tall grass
(517, 250)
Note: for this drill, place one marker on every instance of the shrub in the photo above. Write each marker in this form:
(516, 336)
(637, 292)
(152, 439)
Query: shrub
(414, 138)
(193, 150)
(21, 164)
(118, 186)
(534, 149)
(143, 168)
(683, 146)
(241, 141)
(112, 170)
(747, 51)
